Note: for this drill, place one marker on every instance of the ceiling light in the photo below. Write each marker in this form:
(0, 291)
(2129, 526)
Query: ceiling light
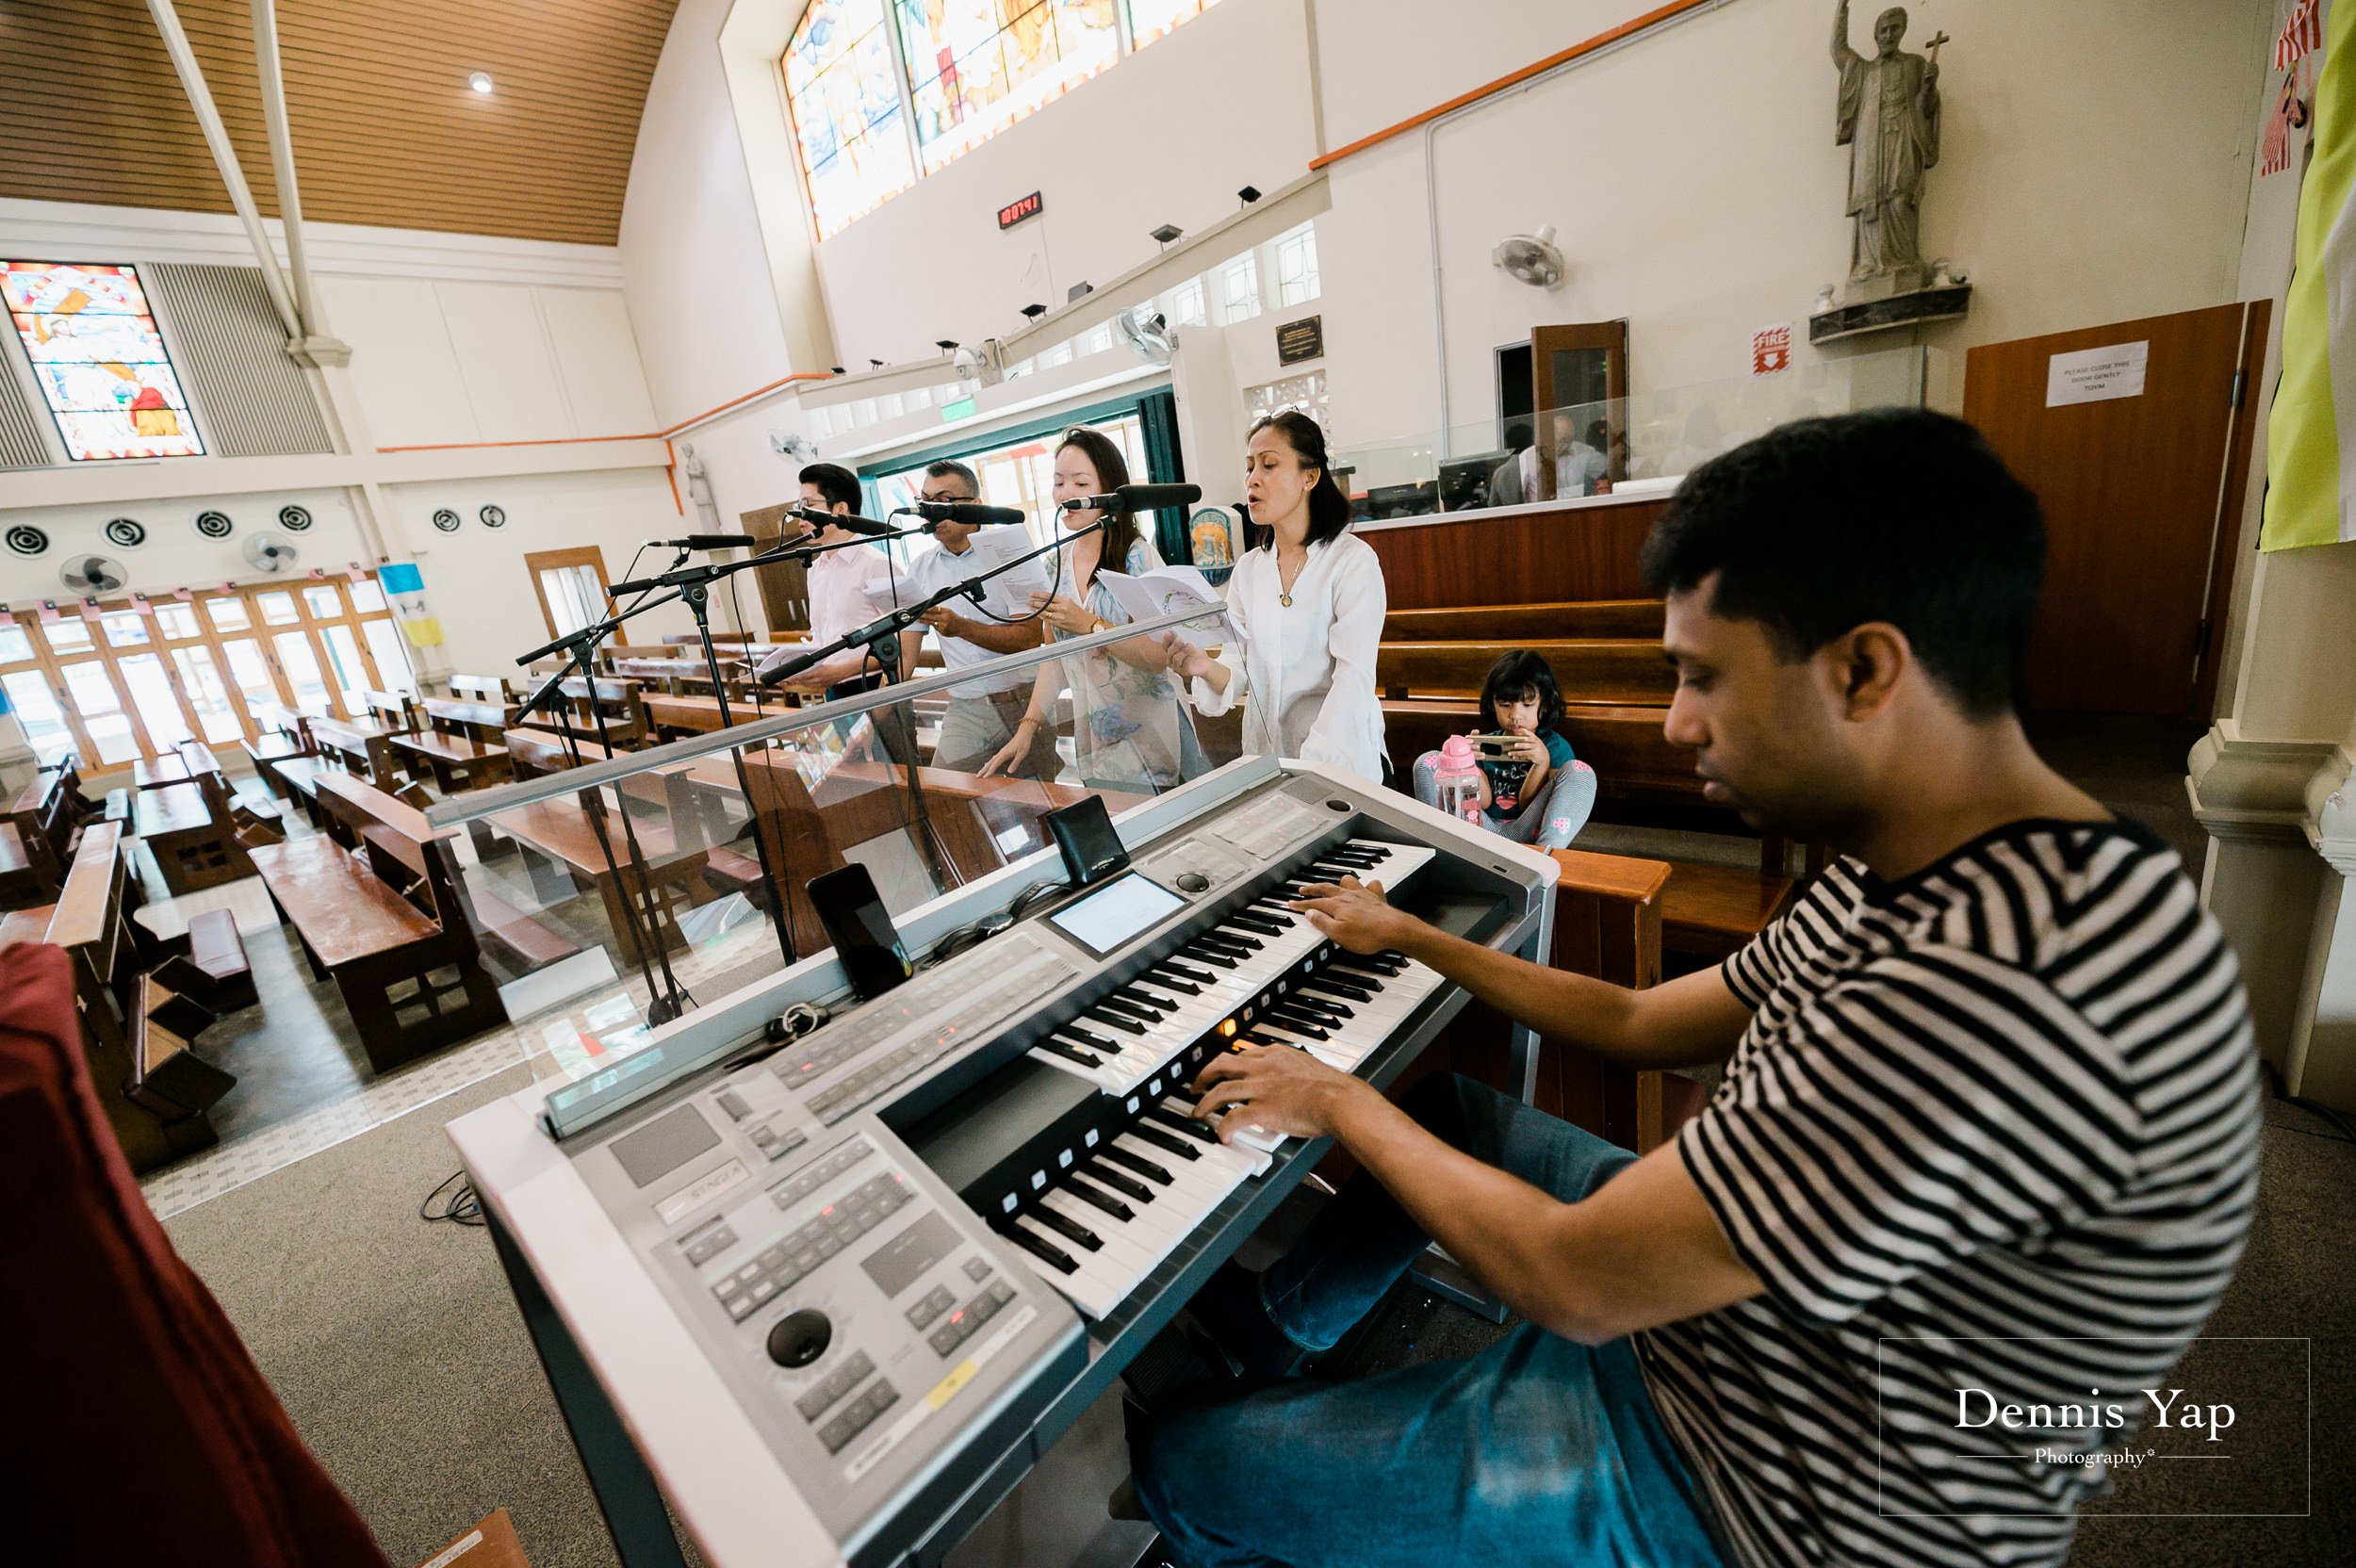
(480, 81)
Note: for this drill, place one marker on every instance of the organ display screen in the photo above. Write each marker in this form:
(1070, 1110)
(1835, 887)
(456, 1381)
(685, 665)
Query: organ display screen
(1116, 913)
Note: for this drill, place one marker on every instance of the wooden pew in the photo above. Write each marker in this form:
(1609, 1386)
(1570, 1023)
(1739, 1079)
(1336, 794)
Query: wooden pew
(468, 716)
(614, 709)
(268, 753)
(1609, 671)
(1506, 625)
(376, 905)
(292, 722)
(456, 763)
(191, 832)
(396, 710)
(43, 818)
(575, 843)
(92, 924)
(363, 745)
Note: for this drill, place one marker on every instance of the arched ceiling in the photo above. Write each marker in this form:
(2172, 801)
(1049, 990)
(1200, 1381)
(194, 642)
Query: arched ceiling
(385, 129)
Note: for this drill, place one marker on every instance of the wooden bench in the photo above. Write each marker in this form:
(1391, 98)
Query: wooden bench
(472, 719)
(481, 688)
(1609, 671)
(375, 902)
(1510, 624)
(43, 815)
(455, 762)
(24, 876)
(361, 745)
(395, 710)
(191, 830)
(277, 719)
(92, 924)
(209, 964)
(268, 752)
(168, 1079)
(516, 937)
(612, 711)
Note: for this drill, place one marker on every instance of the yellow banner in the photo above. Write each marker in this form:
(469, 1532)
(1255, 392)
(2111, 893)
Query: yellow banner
(2309, 487)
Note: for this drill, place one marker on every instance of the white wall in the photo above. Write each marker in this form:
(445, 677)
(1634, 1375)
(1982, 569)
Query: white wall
(475, 578)
(175, 554)
(1167, 136)
(2094, 166)
(438, 360)
(699, 285)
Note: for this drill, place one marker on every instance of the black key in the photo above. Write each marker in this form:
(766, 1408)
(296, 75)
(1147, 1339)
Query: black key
(1220, 952)
(1172, 966)
(1090, 1192)
(1185, 1124)
(1365, 964)
(1089, 1037)
(1258, 1039)
(1234, 937)
(1201, 954)
(1137, 1163)
(1162, 1140)
(1127, 1187)
(1121, 1006)
(1069, 1052)
(1255, 925)
(1356, 862)
(1113, 1020)
(1321, 1007)
(1298, 1025)
(1325, 985)
(1144, 998)
(1039, 1247)
(1183, 987)
(1071, 1229)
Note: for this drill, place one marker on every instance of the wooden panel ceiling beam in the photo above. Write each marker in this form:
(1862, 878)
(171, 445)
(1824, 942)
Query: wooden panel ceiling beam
(386, 130)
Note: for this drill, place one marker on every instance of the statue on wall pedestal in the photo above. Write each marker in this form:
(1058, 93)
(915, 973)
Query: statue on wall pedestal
(1888, 117)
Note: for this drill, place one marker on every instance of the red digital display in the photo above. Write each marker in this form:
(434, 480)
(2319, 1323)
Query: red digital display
(1014, 212)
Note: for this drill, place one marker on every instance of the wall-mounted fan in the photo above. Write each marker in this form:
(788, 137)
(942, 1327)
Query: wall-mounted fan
(794, 445)
(1532, 257)
(87, 575)
(270, 552)
(1148, 332)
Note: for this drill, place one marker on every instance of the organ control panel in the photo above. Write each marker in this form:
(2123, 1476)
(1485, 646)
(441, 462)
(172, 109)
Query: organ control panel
(842, 1290)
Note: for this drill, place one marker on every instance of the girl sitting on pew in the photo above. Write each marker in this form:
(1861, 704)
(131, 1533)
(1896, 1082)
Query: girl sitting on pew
(1541, 793)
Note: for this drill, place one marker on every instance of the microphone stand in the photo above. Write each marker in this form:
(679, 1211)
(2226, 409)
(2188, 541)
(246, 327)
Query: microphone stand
(670, 1000)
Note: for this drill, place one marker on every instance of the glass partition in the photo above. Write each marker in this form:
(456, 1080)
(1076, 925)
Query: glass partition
(609, 890)
(1651, 439)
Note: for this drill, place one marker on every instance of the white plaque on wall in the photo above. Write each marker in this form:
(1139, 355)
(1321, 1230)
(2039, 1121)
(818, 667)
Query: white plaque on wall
(2092, 375)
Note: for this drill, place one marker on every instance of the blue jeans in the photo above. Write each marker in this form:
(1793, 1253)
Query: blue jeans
(1537, 1451)
(1550, 821)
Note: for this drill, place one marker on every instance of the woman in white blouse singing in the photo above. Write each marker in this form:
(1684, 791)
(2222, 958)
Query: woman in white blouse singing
(1308, 599)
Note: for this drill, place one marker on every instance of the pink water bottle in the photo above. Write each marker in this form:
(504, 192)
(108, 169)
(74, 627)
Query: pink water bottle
(1457, 780)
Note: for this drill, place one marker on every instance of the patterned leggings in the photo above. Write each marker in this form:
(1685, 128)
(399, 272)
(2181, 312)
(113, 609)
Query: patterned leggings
(1549, 822)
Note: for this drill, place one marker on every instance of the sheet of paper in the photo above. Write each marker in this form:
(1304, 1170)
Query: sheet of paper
(1166, 591)
(2092, 375)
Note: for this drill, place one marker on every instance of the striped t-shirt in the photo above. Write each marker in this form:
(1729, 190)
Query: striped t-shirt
(1983, 1117)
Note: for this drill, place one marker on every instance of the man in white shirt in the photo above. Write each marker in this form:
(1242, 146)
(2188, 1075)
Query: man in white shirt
(839, 600)
(982, 714)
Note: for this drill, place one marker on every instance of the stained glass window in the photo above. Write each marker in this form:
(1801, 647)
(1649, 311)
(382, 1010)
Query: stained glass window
(99, 360)
(978, 66)
(840, 86)
(962, 69)
(1150, 19)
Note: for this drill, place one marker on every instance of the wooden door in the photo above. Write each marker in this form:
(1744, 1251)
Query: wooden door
(2140, 494)
(1577, 369)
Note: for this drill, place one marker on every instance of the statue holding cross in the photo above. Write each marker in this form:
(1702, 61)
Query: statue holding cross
(1887, 115)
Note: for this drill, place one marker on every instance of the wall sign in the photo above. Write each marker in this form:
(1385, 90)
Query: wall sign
(2095, 375)
(1015, 212)
(1770, 349)
(1299, 340)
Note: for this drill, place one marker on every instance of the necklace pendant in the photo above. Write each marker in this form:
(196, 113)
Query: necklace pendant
(1285, 600)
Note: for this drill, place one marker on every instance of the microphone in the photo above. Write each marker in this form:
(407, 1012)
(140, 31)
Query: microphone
(964, 512)
(849, 522)
(708, 542)
(1138, 498)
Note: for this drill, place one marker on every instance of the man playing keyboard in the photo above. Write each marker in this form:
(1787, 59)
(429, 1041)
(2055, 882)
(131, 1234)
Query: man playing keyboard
(1989, 1085)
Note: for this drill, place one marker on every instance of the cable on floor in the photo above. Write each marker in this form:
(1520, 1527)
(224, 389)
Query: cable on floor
(454, 1199)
